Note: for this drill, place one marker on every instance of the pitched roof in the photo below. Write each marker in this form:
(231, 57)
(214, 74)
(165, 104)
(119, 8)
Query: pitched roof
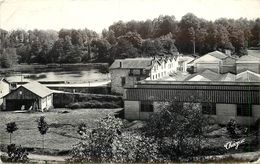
(255, 53)
(248, 76)
(37, 89)
(132, 63)
(3, 79)
(248, 58)
(205, 75)
(217, 54)
(227, 77)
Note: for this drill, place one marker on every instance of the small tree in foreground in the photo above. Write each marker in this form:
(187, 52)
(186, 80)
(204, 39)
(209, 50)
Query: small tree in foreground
(10, 128)
(178, 127)
(107, 143)
(43, 128)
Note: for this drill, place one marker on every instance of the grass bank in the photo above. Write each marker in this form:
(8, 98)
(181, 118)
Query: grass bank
(62, 134)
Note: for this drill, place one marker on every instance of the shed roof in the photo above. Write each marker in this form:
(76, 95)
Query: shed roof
(205, 75)
(248, 76)
(248, 58)
(218, 54)
(37, 89)
(3, 79)
(133, 63)
(227, 77)
(255, 53)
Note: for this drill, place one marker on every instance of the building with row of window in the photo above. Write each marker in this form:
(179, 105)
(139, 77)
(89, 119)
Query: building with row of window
(222, 100)
(126, 72)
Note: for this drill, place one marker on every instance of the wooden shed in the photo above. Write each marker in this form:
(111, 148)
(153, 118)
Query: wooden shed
(31, 96)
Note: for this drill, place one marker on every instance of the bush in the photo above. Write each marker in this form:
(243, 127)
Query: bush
(16, 154)
(64, 99)
(93, 104)
(231, 128)
(108, 143)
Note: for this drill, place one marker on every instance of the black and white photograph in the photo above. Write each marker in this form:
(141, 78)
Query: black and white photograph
(129, 81)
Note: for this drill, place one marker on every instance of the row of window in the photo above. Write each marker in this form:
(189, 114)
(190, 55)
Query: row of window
(159, 75)
(207, 108)
(163, 66)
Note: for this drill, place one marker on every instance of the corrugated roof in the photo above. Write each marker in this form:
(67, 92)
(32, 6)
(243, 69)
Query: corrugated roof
(38, 89)
(248, 76)
(132, 63)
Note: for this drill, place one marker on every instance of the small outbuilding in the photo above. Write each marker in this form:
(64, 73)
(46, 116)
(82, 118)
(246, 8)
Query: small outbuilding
(31, 96)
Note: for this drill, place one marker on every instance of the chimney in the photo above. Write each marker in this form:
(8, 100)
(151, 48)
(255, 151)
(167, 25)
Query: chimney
(120, 64)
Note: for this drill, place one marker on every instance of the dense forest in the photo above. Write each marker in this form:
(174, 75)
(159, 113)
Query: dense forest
(160, 36)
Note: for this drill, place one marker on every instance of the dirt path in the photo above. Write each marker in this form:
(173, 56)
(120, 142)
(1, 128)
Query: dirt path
(49, 158)
(250, 156)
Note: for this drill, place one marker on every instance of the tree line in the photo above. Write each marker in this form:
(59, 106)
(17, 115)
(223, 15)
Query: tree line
(161, 36)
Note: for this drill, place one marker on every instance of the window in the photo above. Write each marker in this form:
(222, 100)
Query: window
(244, 109)
(138, 78)
(208, 108)
(146, 106)
(131, 72)
(141, 71)
(122, 81)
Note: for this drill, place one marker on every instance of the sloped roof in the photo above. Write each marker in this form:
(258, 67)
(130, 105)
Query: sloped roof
(132, 63)
(227, 77)
(255, 53)
(38, 89)
(205, 75)
(218, 54)
(248, 76)
(248, 58)
(3, 79)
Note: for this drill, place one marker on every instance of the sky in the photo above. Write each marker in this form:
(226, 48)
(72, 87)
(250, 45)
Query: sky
(99, 14)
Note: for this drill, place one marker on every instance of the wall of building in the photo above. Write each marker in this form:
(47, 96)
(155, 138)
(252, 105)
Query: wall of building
(116, 79)
(46, 103)
(4, 90)
(132, 110)
(165, 69)
(256, 112)
(224, 112)
(254, 67)
(199, 67)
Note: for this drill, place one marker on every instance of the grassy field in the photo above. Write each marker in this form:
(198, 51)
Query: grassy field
(62, 134)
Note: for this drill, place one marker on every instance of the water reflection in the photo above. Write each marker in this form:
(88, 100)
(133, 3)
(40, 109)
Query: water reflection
(69, 76)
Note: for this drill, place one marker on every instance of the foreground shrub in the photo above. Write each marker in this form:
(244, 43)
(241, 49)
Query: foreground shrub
(134, 147)
(178, 128)
(97, 146)
(107, 143)
(231, 128)
(16, 154)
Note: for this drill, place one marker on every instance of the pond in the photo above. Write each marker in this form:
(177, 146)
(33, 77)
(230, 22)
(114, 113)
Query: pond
(86, 76)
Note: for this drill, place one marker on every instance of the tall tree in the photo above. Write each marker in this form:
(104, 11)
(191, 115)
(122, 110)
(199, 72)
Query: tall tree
(10, 128)
(43, 128)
